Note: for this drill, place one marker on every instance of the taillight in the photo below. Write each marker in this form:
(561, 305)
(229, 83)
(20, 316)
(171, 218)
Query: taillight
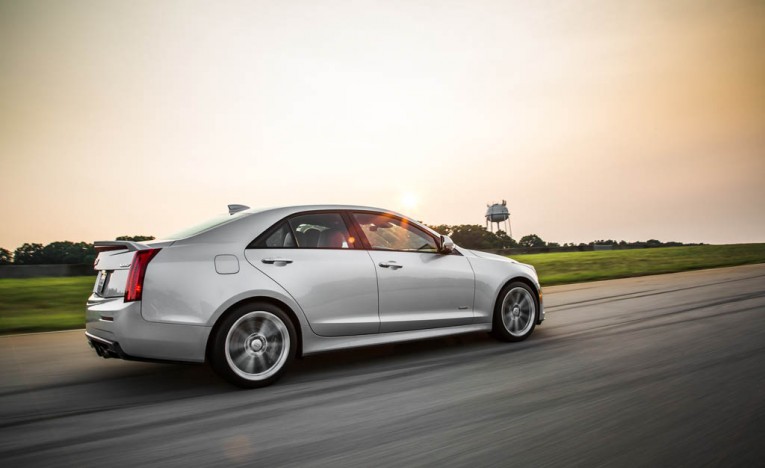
(141, 260)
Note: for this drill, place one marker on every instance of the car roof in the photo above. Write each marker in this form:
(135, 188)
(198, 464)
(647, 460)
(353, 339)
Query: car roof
(259, 219)
(299, 208)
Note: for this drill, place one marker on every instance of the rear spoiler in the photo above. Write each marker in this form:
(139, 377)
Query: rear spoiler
(103, 246)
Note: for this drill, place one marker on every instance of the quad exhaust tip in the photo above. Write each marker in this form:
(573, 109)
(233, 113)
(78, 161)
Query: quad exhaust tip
(105, 348)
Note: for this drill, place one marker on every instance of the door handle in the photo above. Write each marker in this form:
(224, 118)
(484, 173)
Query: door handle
(392, 265)
(271, 261)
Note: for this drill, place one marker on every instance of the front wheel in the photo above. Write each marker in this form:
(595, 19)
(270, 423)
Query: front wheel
(253, 345)
(515, 314)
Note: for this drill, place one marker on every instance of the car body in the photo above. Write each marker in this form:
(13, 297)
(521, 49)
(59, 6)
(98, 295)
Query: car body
(305, 279)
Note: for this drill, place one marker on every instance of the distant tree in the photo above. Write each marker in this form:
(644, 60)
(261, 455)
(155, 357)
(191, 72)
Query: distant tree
(29, 254)
(504, 241)
(136, 238)
(6, 257)
(473, 236)
(532, 240)
(443, 229)
(604, 242)
(66, 252)
(476, 236)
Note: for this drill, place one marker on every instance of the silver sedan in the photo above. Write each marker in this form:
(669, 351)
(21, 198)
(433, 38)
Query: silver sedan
(251, 290)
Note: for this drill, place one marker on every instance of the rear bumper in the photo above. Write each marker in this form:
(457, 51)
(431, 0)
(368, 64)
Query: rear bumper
(105, 348)
(116, 329)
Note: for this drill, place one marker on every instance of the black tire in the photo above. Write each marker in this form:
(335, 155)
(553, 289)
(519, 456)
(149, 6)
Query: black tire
(253, 345)
(516, 312)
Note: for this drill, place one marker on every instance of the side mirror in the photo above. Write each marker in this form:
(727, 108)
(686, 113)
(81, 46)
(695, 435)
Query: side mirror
(447, 245)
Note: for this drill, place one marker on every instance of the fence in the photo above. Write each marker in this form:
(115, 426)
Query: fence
(34, 271)
(575, 248)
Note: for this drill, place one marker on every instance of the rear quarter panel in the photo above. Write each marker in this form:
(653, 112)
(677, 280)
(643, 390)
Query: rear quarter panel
(183, 286)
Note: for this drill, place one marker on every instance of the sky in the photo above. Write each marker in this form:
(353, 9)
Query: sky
(593, 119)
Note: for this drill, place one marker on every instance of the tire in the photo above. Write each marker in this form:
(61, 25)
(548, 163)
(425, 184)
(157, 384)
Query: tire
(515, 314)
(253, 345)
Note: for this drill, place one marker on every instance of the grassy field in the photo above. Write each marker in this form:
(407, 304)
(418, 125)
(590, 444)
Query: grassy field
(576, 267)
(45, 304)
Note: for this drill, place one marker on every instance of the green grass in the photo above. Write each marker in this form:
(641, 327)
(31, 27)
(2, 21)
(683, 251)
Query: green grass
(46, 304)
(576, 267)
(43, 304)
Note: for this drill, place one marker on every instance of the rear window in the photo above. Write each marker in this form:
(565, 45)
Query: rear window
(209, 224)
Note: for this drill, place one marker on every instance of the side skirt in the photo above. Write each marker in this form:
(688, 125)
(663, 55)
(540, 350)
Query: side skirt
(319, 344)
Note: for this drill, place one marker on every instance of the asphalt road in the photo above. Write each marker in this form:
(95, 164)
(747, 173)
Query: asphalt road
(655, 371)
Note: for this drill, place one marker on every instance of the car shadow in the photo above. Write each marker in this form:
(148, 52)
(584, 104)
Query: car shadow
(383, 357)
(125, 384)
(188, 380)
(201, 379)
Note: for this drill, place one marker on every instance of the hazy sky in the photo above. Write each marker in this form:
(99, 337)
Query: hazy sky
(594, 119)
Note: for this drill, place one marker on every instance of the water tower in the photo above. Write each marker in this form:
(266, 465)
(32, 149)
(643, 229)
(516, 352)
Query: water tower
(498, 213)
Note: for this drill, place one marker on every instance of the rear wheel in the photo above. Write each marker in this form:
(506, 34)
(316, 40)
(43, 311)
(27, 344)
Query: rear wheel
(253, 345)
(515, 314)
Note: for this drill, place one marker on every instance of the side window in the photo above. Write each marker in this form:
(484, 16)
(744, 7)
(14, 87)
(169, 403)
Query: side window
(321, 231)
(309, 231)
(389, 233)
(281, 238)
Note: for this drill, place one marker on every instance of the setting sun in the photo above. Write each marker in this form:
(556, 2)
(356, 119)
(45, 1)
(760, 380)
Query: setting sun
(409, 200)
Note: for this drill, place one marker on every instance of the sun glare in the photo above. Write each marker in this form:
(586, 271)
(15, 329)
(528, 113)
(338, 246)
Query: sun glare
(409, 200)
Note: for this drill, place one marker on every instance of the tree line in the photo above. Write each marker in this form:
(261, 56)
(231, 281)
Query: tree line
(470, 236)
(55, 253)
(476, 236)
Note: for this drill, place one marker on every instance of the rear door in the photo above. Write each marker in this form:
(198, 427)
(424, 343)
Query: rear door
(315, 257)
(418, 286)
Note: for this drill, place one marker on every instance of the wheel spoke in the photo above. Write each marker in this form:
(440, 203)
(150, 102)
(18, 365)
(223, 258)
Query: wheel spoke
(239, 336)
(270, 331)
(524, 315)
(243, 361)
(249, 326)
(253, 366)
(273, 351)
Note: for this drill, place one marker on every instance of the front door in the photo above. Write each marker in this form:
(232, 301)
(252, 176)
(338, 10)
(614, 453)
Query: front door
(419, 287)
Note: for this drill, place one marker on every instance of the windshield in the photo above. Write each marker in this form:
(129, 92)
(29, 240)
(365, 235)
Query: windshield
(209, 224)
